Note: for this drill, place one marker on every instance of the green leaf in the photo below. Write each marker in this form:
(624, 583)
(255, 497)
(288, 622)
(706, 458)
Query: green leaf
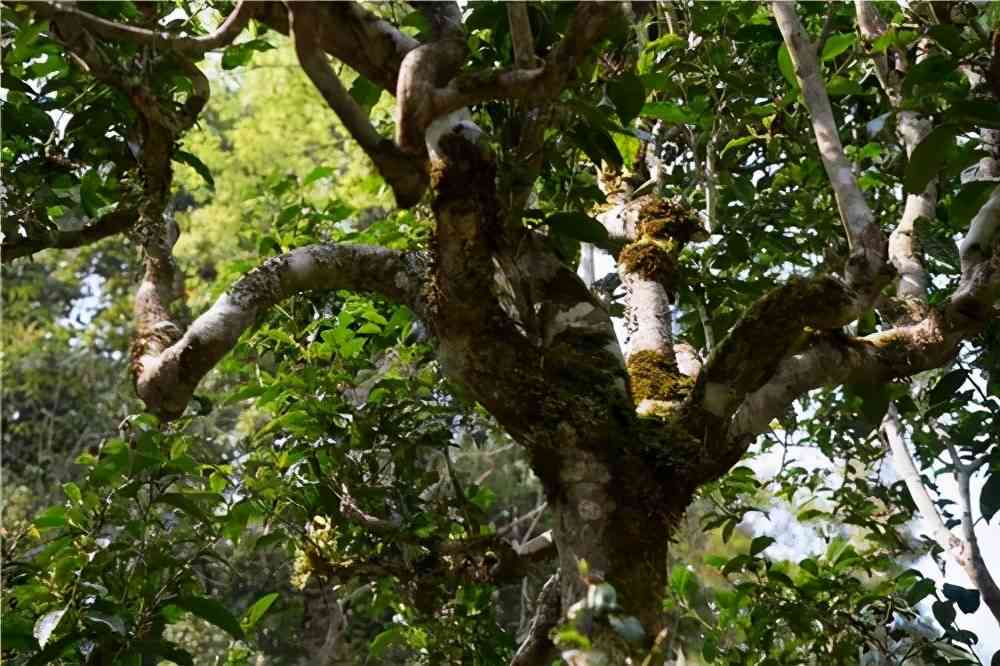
(809, 514)
(186, 503)
(947, 387)
(919, 590)
(932, 70)
(385, 640)
(192, 161)
(967, 600)
(651, 53)
(978, 113)
(682, 581)
(257, 610)
(840, 86)
(211, 611)
(837, 44)
(165, 649)
(787, 67)
(968, 201)
(365, 93)
(90, 193)
(16, 633)
(73, 492)
(317, 174)
(238, 55)
(759, 544)
(738, 143)
(52, 517)
(112, 622)
(727, 530)
(949, 37)
(928, 158)
(578, 226)
(628, 95)
(989, 497)
(945, 613)
(668, 112)
(47, 624)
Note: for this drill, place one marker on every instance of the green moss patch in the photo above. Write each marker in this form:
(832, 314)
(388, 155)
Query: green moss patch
(650, 260)
(654, 376)
(669, 218)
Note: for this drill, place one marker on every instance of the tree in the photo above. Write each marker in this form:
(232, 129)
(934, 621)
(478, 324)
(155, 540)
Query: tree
(631, 114)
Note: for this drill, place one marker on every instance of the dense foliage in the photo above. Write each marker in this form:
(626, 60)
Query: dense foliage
(335, 492)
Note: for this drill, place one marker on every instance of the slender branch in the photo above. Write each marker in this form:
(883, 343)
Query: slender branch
(166, 381)
(965, 551)
(223, 35)
(866, 268)
(120, 220)
(406, 175)
(537, 649)
(910, 475)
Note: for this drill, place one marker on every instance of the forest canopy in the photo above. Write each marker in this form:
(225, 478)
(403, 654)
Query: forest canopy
(649, 332)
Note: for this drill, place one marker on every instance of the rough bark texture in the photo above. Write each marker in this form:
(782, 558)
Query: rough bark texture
(620, 443)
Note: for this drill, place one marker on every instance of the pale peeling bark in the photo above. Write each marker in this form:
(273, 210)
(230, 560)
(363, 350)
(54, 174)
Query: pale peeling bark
(167, 380)
(912, 129)
(902, 241)
(964, 551)
(866, 268)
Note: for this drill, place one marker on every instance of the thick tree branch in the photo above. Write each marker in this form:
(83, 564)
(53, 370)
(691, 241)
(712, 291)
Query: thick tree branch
(406, 175)
(833, 359)
(118, 221)
(768, 331)
(866, 267)
(353, 35)
(166, 381)
(223, 35)
(424, 70)
(523, 42)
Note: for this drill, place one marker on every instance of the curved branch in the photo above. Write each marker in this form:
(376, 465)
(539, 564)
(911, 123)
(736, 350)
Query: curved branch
(866, 267)
(113, 223)
(405, 174)
(166, 381)
(223, 35)
(366, 43)
(749, 356)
